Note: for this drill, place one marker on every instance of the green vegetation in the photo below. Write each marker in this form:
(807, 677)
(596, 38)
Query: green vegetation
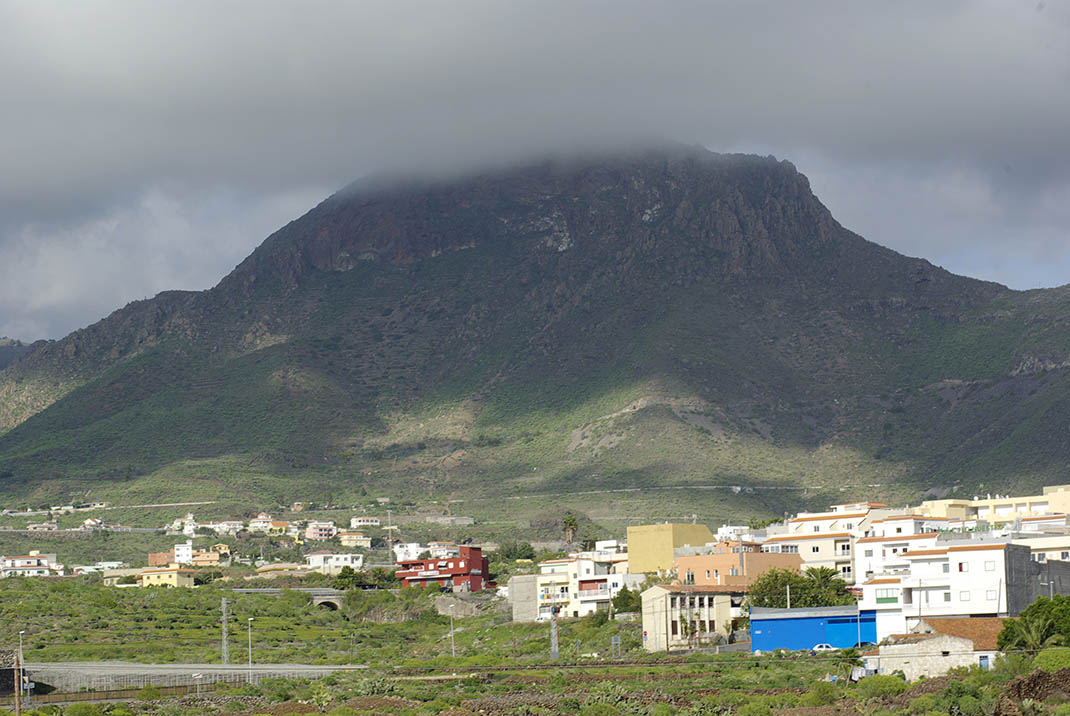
(740, 341)
(701, 685)
(1044, 623)
(816, 587)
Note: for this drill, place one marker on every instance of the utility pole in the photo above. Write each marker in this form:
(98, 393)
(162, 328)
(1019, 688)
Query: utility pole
(250, 650)
(18, 685)
(554, 653)
(453, 644)
(740, 554)
(789, 596)
(225, 649)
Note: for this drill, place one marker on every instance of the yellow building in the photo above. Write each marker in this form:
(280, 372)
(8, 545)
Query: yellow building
(650, 547)
(166, 577)
(1055, 499)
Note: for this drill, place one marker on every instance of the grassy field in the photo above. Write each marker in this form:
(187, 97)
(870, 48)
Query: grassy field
(699, 685)
(78, 620)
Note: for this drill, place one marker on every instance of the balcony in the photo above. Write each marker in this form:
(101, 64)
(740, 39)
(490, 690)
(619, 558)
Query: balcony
(593, 593)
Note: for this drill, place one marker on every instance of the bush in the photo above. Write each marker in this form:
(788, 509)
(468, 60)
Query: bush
(1052, 659)
(823, 693)
(149, 693)
(880, 686)
(925, 703)
(1062, 710)
(82, 710)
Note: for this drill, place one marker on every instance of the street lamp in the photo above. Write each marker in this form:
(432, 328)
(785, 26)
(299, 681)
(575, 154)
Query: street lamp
(250, 650)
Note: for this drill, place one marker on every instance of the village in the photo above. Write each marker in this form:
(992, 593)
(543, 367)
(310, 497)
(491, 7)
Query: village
(925, 588)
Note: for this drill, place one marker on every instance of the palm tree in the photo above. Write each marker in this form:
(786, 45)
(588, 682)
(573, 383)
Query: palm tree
(569, 524)
(1032, 634)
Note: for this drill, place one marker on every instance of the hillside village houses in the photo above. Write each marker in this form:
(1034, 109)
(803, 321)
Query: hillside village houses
(362, 521)
(355, 539)
(573, 586)
(34, 564)
(331, 563)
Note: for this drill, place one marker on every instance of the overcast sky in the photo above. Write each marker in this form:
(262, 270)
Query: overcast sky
(146, 146)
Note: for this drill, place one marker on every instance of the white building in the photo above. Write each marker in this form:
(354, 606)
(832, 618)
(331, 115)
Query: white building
(33, 564)
(573, 586)
(98, 568)
(356, 522)
(408, 551)
(184, 553)
(261, 523)
(960, 578)
(331, 563)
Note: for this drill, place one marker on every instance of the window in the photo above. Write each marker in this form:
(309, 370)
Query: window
(734, 572)
(849, 526)
(990, 595)
(815, 549)
(1065, 556)
(964, 567)
(869, 553)
(947, 567)
(947, 596)
(672, 602)
(461, 564)
(707, 574)
(964, 596)
(817, 528)
(990, 566)
(899, 530)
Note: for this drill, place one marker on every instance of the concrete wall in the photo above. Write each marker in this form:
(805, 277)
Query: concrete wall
(1027, 580)
(524, 597)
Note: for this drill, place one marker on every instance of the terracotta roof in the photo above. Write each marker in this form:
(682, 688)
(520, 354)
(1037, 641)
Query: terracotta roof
(922, 552)
(830, 516)
(894, 518)
(814, 535)
(884, 580)
(982, 631)
(900, 538)
(972, 547)
(1059, 516)
(704, 588)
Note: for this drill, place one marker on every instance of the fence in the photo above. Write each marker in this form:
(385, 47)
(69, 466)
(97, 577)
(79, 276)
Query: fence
(120, 694)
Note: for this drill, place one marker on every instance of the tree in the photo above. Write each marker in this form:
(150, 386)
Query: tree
(569, 525)
(818, 587)
(627, 600)
(513, 550)
(1029, 634)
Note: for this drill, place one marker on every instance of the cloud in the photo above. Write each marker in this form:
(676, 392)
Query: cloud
(106, 103)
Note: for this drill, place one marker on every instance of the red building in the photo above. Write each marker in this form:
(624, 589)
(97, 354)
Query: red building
(463, 570)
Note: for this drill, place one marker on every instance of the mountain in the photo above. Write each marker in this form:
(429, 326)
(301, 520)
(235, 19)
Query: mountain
(10, 349)
(693, 331)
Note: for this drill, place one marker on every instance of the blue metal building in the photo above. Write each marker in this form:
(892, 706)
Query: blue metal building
(796, 629)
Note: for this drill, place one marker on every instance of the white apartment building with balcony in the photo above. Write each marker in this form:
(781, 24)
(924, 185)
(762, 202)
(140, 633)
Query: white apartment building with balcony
(960, 578)
(573, 586)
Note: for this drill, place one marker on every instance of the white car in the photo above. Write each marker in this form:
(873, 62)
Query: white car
(822, 649)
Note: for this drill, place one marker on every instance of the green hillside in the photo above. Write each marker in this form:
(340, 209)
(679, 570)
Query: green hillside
(550, 335)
